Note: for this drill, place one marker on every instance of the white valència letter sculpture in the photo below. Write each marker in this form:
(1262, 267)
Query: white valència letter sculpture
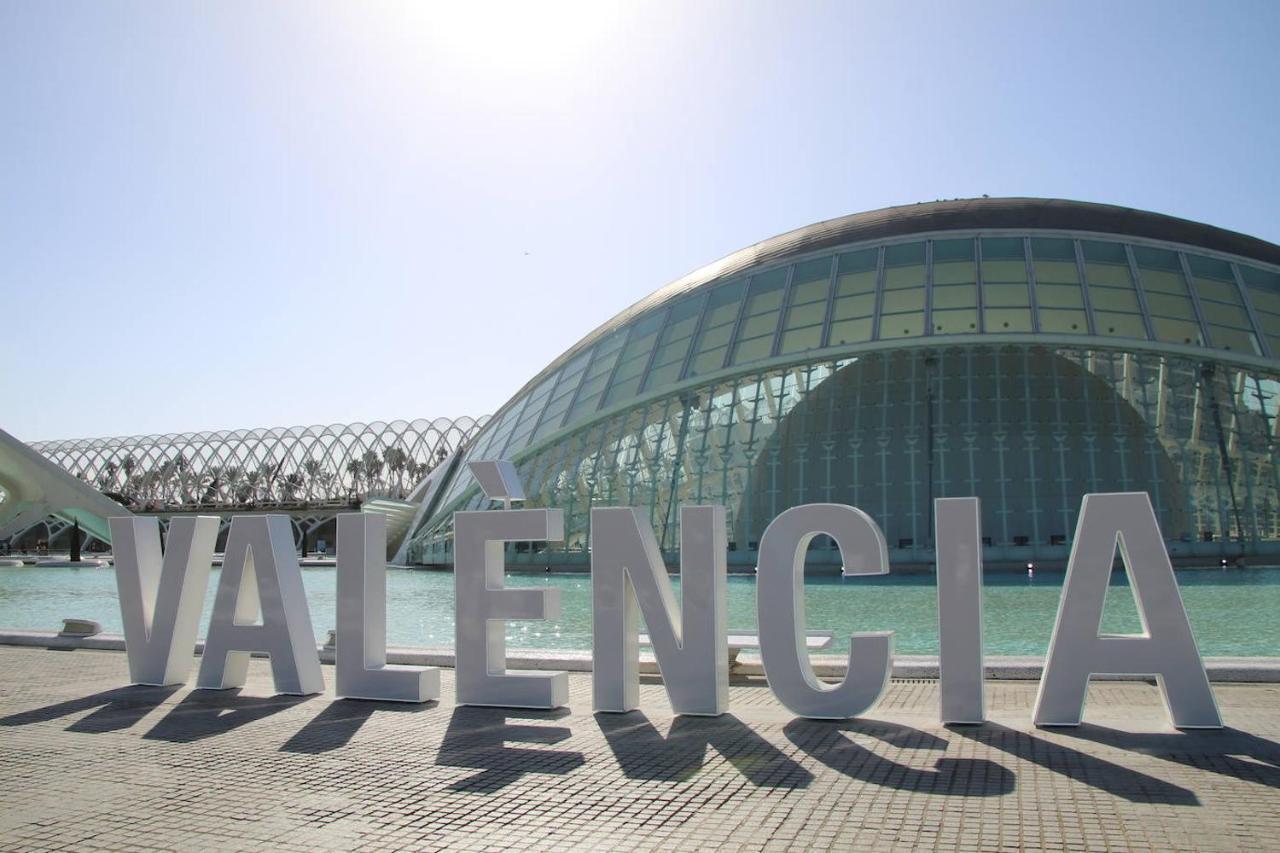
(483, 603)
(1165, 648)
(362, 671)
(161, 597)
(959, 543)
(260, 573)
(626, 569)
(780, 611)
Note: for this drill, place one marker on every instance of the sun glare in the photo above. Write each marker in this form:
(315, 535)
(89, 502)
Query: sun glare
(506, 36)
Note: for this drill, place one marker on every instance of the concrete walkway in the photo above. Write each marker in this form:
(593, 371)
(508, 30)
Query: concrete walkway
(87, 763)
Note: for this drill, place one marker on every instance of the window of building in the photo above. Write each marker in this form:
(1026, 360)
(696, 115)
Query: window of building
(902, 311)
(955, 288)
(603, 359)
(855, 297)
(807, 306)
(1223, 309)
(634, 357)
(1006, 301)
(1173, 317)
(760, 316)
(1264, 293)
(1059, 300)
(1116, 311)
(712, 345)
(673, 346)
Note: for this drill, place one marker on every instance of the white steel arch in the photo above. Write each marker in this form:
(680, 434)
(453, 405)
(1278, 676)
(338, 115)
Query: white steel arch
(253, 468)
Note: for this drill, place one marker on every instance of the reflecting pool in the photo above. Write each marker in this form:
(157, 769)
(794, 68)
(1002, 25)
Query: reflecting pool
(1232, 612)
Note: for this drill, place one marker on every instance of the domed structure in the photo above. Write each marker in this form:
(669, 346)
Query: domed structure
(1025, 351)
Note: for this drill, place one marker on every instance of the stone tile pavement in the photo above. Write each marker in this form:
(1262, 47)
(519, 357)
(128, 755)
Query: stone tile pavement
(86, 764)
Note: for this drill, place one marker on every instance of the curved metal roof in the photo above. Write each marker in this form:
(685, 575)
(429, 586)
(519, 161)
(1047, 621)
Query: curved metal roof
(926, 217)
(554, 399)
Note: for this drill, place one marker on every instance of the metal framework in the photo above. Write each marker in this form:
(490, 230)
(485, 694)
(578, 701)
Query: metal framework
(256, 468)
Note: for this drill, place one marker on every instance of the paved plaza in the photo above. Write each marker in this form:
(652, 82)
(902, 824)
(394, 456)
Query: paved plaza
(86, 763)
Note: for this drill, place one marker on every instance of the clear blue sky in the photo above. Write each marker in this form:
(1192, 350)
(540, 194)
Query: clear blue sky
(246, 214)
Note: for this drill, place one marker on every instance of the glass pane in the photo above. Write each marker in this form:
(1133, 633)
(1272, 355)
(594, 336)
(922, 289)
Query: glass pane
(1007, 319)
(1162, 281)
(856, 272)
(635, 355)
(752, 350)
(806, 315)
(818, 269)
(1225, 315)
(1059, 296)
(1236, 340)
(760, 317)
(1217, 291)
(855, 283)
(765, 293)
(1053, 249)
(717, 337)
(1003, 271)
(708, 361)
(1119, 325)
(801, 339)
(902, 326)
(953, 262)
(945, 251)
(1109, 275)
(854, 306)
(1170, 306)
(956, 296)
(1107, 253)
(904, 265)
(1151, 258)
(902, 277)
(955, 322)
(1175, 331)
(954, 272)
(1260, 279)
(664, 374)
(904, 254)
(761, 324)
(723, 306)
(1060, 272)
(1113, 299)
(903, 300)
(860, 261)
(1001, 248)
(850, 332)
(1063, 322)
(1265, 300)
(1209, 268)
(1005, 294)
(809, 291)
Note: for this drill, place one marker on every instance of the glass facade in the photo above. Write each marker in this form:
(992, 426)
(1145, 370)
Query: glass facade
(1026, 368)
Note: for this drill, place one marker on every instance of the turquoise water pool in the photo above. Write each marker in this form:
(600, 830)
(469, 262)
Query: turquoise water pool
(1232, 613)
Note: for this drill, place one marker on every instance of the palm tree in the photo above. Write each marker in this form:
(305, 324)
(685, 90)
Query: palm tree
(252, 481)
(127, 465)
(290, 485)
(356, 469)
(312, 469)
(267, 472)
(397, 461)
(209, 481)
(107, 479)
(232, 476)
(372, 468)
